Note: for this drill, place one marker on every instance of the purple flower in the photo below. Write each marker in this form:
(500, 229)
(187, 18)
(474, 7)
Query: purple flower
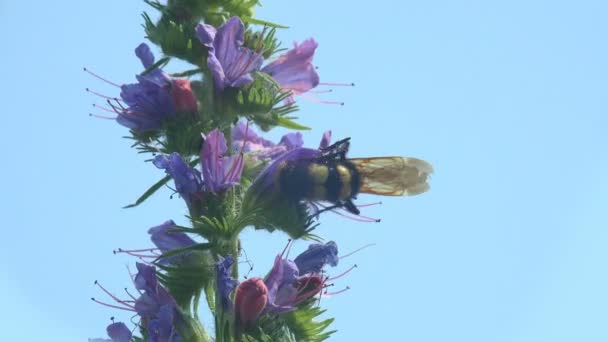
(224, 282)
(316, 257)
(118, 332)
(167, 240)
(245, 137)
(187, 180)
(294, 70)
(280, 281)
(230, 63)
(290, 283)
(149, 102)
(155, 98)
(220, 172)
(156, 308)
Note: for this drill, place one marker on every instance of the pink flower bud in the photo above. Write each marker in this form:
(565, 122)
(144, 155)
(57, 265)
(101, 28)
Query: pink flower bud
(183, 97)
(250, 301)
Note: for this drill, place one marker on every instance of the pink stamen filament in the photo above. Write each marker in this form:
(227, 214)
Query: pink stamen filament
(320, 91)
(360, 218)
(101, 95)
(368, 204)
(314, 99)
(102, 116)
(112, 306)
(139, 250)
(332, 84)
(106, 109)
(357, 250)
(129, 294)
(328, 294)
(99, 77)
(123, 110)
(125, 303)
(342, 274)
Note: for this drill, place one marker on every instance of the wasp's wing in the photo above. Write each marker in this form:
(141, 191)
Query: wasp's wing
(393, 176)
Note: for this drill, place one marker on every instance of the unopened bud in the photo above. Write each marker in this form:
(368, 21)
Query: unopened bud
(250, 301)
(183, 97)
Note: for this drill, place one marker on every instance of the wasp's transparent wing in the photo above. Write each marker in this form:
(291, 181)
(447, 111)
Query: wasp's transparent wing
(393, 176)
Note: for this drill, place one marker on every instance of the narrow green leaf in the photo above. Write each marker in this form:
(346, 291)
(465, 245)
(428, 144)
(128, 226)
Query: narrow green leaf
(195, 247)
(148, 192)
(161, 63)
(285, 122)
(262, 22)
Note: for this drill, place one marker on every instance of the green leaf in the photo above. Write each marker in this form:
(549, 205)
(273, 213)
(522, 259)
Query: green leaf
(196, 247)
(148, 192)
(262, 22)
(287, 123)
(155, 188)
(160, 64)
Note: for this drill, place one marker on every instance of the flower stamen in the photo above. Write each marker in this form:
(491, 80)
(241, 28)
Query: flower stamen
(100, 78)
(357, 250)
(343, 273)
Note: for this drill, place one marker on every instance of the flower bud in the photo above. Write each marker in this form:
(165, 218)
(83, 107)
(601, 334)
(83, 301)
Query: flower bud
(183, 97)
(250, 301)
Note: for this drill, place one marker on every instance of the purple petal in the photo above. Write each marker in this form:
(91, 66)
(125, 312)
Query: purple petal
(292, 140)
(219, 172)
(187, 180)
(316, 257)
(119, 332)
(281, 278)
(161, 327)
(294, 70)
(326, 140)
(206, 34)
(224, 282)
(241, 134)
(228, 40)
(145, 280)
(166, 240)
(145, 55)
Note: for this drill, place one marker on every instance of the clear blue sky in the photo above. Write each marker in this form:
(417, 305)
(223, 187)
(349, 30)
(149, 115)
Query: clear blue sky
(507, 99)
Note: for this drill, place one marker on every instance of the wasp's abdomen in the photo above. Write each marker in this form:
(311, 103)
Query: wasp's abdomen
(331, 181)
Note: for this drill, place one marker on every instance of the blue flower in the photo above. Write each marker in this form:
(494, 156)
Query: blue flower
(245, 138)
(220, 171)
(230, 63)
(187, 180)
(149, 102)
(167, 240)
(225, 284)
(118, 332)
(290, 282)
(316, 257)
(156, 308)
(294, 70)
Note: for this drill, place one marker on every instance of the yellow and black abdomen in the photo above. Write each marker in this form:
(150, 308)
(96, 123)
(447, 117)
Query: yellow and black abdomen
(332, 181)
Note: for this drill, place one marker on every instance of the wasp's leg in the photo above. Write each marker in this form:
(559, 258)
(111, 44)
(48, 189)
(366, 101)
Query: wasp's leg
(351, 207)
(337, 149)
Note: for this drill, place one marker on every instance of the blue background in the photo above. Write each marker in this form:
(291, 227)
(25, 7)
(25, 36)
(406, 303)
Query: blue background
(507, 99)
